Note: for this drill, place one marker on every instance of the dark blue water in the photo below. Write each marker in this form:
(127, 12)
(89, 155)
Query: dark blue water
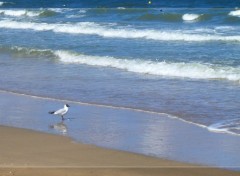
(122, 3)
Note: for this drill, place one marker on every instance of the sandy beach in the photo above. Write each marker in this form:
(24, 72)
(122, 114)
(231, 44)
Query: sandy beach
(26, 152)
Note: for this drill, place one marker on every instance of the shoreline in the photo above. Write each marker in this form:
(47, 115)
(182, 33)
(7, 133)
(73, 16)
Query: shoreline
(148, 134)
(117, 108)
(27, 152)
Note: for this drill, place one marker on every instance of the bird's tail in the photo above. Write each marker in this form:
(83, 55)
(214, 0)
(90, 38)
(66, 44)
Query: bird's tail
(51, 112)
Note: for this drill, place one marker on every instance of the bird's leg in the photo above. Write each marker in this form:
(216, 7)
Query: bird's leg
(62, 118)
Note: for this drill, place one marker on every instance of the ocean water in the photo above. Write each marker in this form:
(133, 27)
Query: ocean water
(120, 3)
(182, 60)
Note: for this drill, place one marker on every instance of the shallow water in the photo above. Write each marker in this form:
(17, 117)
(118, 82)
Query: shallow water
(203, 102)
(124, 129)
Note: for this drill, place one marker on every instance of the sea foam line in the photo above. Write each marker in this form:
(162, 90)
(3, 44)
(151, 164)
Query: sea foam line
(102, 106)
(91, 28)
(225, 126)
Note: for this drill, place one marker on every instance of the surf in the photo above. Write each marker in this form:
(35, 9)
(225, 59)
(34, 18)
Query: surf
(92, 28)
(28, 13)
(190, 17)
(193, 70)
(235, 13)
(1, 3)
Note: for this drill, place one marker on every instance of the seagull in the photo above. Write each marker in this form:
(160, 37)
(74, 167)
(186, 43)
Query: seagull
(61, 112)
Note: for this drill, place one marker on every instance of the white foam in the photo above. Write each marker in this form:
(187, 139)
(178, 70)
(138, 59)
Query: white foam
(235, 13)
(173, 69)
(121, 8)
(190, 17)
(25, 25)
(33, 13)
(91, 28)
(225, 126)
(58, 10)
(32, 51)
(1, 3)
(18, 13)
(75, 16)
(82, 11)
(13, 12)
(79, 14)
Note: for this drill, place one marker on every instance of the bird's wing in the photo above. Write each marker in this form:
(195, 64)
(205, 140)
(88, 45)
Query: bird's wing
(60, 111)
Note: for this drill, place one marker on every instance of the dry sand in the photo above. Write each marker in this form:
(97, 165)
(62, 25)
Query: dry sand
(26, 152)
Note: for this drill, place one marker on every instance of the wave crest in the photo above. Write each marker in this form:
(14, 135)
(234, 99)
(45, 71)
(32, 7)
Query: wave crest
(28, 13)
(169, 69)
(91, 28)
(235, 13)
(18, 13)
(193, 70)
(28, 52)
(190, 17)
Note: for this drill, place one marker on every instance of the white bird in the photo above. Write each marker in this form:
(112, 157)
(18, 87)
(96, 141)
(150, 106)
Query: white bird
(61, 112)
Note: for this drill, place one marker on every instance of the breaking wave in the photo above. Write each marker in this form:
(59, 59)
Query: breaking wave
(17, 13)
(1, 3)
(193, 70)
(169, 69)
(235, 13)
(190, 17)
(91, 28)
(175, 17)
(28, 13)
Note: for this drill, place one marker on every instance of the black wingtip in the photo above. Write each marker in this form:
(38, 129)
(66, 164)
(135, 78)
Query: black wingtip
(51, 112)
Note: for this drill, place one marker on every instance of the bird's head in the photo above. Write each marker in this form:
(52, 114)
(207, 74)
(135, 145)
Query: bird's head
(67, 105)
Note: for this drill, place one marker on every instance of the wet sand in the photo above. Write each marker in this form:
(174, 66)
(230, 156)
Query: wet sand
(26, 152)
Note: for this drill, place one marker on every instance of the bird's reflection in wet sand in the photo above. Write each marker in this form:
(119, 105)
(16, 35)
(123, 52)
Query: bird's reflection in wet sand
(60, 127)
